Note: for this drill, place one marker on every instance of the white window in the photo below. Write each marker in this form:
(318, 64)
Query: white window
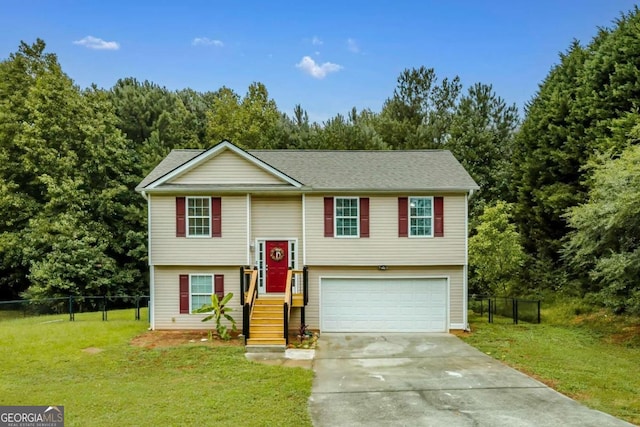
(421, 216)
(292, 264)
(260, 261)
(200, 290)
(347, 217)
(198, 216)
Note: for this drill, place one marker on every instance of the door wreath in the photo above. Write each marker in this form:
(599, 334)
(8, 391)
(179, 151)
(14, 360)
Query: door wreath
(277, 254)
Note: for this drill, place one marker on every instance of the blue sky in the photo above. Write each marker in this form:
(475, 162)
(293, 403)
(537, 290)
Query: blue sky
(327, 56)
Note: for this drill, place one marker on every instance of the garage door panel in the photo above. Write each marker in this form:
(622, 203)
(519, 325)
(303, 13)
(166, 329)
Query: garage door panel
(389, 305)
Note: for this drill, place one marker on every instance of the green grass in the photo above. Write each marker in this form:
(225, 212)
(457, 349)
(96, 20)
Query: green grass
(43, 363)
(592, 358)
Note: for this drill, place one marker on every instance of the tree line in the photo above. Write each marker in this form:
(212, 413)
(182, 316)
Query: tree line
(556, 212)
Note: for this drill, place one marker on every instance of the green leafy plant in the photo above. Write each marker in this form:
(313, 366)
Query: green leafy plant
(219, 310)
(304, 332)
(307, 338)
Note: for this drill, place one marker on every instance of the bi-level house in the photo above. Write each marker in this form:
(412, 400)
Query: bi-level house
(344, 241)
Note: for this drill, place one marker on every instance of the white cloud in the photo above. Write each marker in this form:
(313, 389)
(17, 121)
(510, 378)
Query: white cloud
(91, 42)
(309, 66)
(352, 45)
(205, 41)
(316, 41)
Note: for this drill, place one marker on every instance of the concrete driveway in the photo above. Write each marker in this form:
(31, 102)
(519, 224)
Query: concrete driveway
(431, 380)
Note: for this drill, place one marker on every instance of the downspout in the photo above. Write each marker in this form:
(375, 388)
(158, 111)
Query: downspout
(305, 275)
(152, 319)
(304, 230)
(249, 230)
(465, 297)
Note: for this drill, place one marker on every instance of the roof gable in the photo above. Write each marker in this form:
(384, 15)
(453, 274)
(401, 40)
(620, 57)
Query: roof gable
(223, 164)
(226, 168)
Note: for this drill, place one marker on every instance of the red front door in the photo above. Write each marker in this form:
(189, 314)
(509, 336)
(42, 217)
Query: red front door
(277, 254)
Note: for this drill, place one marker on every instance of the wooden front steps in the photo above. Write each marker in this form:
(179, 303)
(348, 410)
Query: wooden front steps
(267, 323)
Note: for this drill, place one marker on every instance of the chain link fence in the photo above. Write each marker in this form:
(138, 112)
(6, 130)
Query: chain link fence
(506, 310)
(85, 305)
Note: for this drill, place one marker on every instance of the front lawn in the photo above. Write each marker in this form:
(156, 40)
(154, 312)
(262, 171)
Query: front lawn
(593, 359)
(90, 368)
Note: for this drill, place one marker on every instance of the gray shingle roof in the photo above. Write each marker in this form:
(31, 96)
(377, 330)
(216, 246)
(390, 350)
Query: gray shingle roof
(351, 170)
(175, 159)
(371, 170)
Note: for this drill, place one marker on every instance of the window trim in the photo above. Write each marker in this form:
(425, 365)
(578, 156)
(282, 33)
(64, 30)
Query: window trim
(410, 217)
(335, 217)
(188, 217)
(191, 293)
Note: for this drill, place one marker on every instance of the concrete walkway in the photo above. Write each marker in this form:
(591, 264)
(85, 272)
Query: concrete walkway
(290, 358)
(431, 380)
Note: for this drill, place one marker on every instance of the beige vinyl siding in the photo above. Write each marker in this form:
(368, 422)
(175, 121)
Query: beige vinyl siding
(167, 297)
(455, 275)
(276, 218)
(384, 247)
(227, 168)
(167, 249)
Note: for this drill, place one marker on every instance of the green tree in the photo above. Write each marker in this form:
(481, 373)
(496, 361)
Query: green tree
(481, 134)
(574, 117)
(138, 106)
(604, 240)
(250, 122)
(20, 195)
(73, 173)
(157, 120)
(356, 131)
(550, 154)
(419, 113)
(296, 132)
(495, 253)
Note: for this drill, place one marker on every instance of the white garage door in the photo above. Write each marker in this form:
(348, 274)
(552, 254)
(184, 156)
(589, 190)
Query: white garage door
(383, 305)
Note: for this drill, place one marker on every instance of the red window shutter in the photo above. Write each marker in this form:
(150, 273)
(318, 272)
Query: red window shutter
(216, 217)
(364, 217)
(328, 217)
(403, 214)
(438, 217)
(218, 285)
(184, 294)
(181, 223)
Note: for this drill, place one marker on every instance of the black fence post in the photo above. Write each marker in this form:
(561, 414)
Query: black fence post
(104, 308)
(72, 317)
(490, 312)
(515, 311)
(285, 316)
(245, 321)
(538, 311)
(242, 286)
(305, 286)
(137, 316)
